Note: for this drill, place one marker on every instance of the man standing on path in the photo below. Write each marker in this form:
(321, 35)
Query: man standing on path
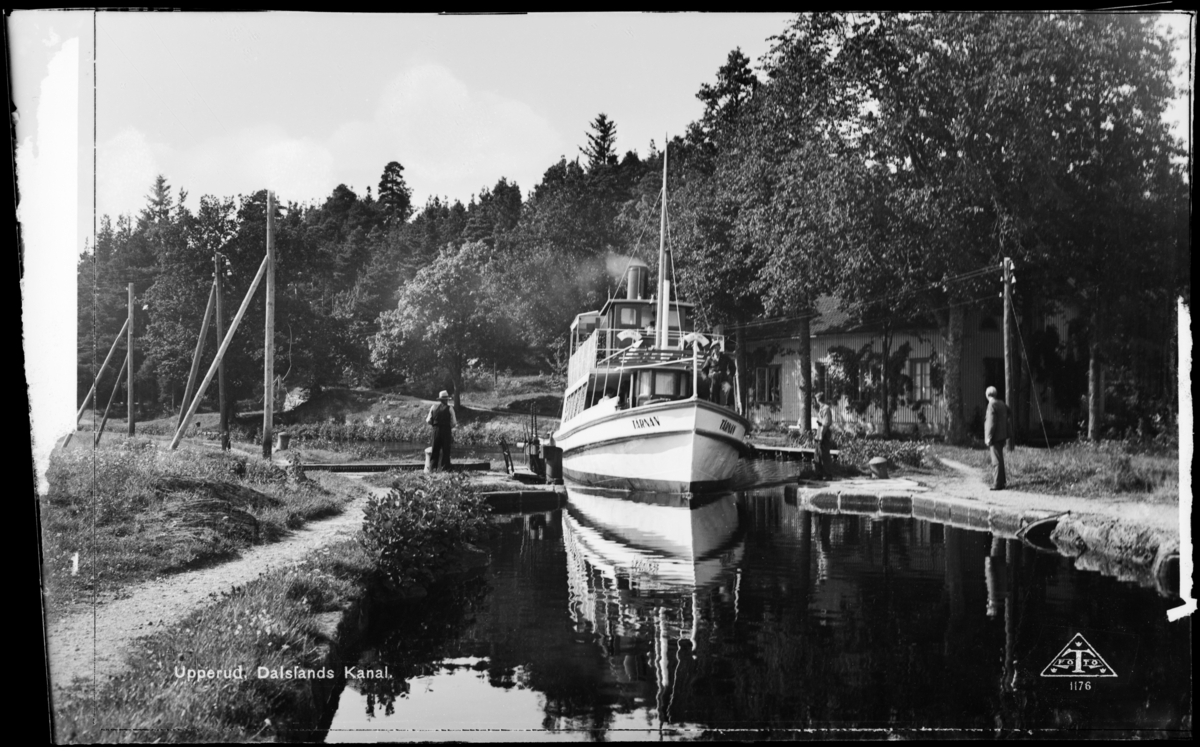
(997, 429)
(824, 438)
(443, 421)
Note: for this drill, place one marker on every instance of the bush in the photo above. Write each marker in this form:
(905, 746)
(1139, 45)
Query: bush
(859, 451)
(417, 530)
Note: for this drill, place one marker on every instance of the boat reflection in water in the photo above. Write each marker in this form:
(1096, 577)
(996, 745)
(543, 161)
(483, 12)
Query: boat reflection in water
(655, 540)
(631, 615)
(640, 569)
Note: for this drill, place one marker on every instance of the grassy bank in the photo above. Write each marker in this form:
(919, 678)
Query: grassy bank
(279, 621)
(487, 415)
(131, 509)
(1107, 469)
(483, 430)
(291, 619)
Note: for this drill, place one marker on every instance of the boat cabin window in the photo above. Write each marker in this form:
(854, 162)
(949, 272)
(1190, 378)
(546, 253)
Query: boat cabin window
(666, 384)
(582, 329)
(659, 386)
(634, 316)
(689, 321)
(642, 315)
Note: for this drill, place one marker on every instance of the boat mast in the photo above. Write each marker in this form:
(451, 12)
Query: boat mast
(664, 285)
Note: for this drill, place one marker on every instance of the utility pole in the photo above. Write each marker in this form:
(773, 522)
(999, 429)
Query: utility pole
(1010, 379)
(269, 334)
(223, 425)
(129, 371)
(112, 397)
(212, 369)
(103, 367)
(191, 382)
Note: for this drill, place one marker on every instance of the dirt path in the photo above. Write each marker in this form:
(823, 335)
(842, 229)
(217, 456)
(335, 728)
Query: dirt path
(969, 484)
(94, 643)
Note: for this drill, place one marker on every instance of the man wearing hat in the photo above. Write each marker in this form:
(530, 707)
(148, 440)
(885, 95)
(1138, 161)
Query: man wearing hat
(997, 429)
(442, 419)
(824, 440)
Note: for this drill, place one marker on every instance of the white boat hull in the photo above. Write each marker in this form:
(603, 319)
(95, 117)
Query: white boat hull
(682, 446)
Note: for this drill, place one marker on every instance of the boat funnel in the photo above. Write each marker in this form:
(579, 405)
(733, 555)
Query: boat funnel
(636, 278)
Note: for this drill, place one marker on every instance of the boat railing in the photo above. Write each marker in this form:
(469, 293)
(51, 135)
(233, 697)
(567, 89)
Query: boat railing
(625, 348)
(688, 347)
(635, 347)
(583, 360)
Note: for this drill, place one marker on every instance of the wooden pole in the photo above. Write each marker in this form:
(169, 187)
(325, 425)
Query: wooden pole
(219, 282)
(191, 382)
(269, 333)
(1010, 379)
(129, 392)
(91, 392)
(664, 301)
(111, 398)
(212, 370)
(695, 368)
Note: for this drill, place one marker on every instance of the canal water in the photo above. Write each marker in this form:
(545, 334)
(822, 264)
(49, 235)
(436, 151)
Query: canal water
(631, 617)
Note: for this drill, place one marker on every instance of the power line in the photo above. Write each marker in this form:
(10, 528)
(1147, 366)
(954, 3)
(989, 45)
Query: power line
(973, 274)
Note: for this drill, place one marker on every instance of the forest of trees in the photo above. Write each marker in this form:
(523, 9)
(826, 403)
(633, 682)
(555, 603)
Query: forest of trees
(881, 159)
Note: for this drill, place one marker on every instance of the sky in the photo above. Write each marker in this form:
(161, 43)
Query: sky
(229, 103)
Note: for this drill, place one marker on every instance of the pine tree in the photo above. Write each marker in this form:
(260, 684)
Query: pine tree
(158, 207)
(395, 197)
(601, 148)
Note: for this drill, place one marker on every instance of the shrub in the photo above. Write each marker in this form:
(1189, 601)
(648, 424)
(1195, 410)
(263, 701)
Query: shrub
(415, 532)
(860, 451)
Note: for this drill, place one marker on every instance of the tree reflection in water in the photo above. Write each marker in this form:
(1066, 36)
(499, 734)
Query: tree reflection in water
(418, 637)
(765, 615)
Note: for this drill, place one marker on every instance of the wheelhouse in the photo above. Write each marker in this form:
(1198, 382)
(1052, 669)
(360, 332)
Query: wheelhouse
(614, 363)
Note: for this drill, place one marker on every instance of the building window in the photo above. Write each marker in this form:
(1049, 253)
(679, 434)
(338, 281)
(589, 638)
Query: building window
(821, 379)
(918, 372)
(766, 384)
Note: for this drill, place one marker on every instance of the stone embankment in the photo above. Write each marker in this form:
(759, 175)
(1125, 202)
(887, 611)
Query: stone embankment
(1136, 542)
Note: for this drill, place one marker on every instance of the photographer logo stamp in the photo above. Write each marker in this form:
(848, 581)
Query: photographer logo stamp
(1078, 659)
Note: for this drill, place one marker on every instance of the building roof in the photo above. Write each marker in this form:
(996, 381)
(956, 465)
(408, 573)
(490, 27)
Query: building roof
(831, 319)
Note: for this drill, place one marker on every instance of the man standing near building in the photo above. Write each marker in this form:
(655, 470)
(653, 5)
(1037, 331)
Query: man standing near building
(824, 439)
(443, 421)
(997, 429)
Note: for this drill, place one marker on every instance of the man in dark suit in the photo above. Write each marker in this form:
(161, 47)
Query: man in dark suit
(997, 429)
(443, 421)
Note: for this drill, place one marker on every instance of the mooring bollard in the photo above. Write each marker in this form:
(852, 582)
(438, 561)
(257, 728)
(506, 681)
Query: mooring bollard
(879, 468)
